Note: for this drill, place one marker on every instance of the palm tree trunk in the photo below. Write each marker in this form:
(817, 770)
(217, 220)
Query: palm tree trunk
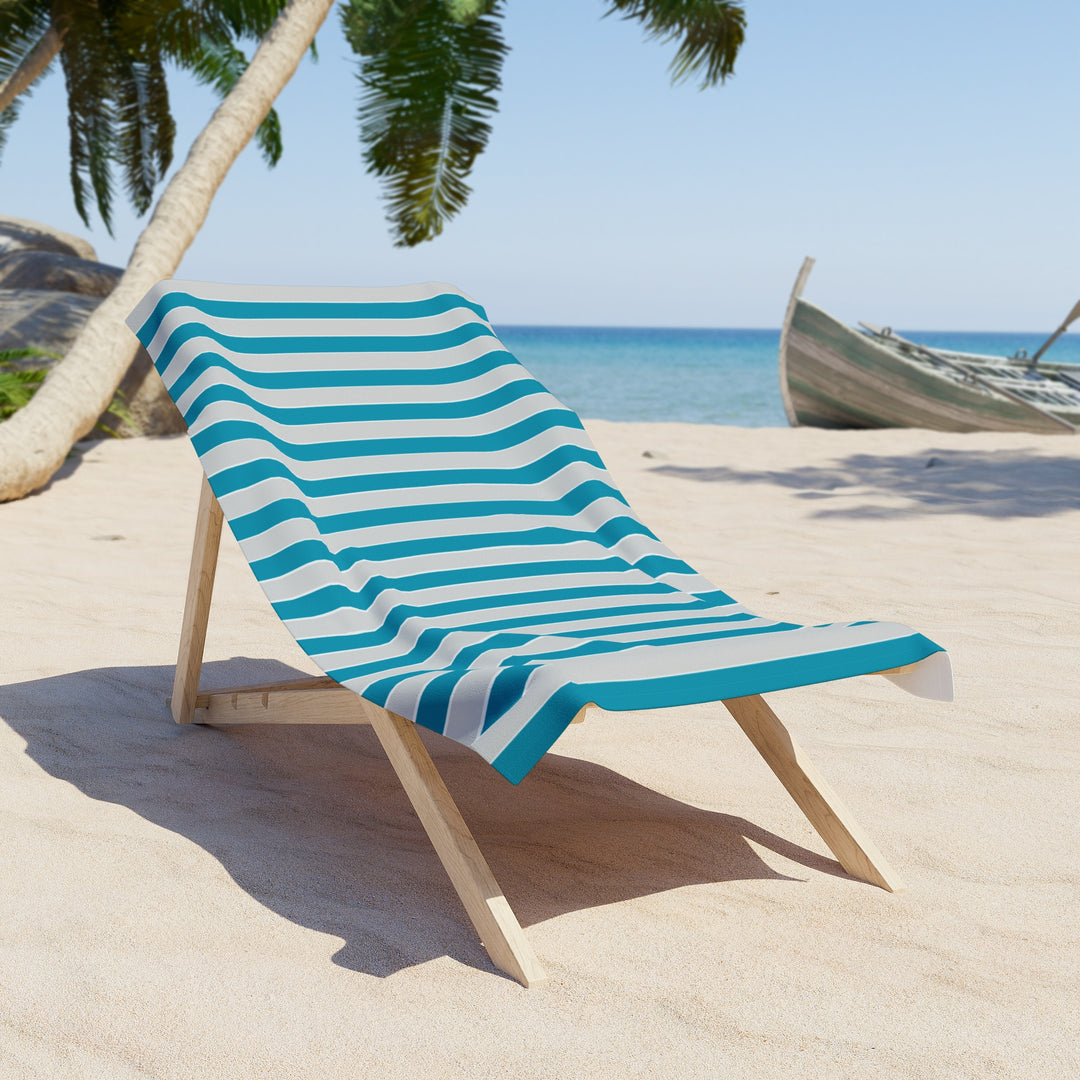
(33, 64)
(36, 439)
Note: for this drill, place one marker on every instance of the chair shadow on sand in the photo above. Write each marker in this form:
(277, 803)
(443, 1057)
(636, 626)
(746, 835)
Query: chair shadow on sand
(311, 821)
(986, 483)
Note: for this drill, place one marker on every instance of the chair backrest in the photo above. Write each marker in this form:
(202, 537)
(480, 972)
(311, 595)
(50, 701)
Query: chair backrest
(392, 416)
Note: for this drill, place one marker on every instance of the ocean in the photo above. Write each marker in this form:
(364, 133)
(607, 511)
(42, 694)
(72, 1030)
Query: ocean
(698, 376)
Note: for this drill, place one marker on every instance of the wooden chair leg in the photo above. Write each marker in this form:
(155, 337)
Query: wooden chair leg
(204, 556)
(854, 850)
(496, 924)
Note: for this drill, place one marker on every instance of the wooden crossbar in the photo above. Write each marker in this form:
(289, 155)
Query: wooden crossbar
(321, 700)
(318, 700)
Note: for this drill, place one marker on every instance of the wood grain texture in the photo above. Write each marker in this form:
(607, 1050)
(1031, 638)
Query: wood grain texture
(282, 705)
(489, 910)
(854, 850)
(200, 587)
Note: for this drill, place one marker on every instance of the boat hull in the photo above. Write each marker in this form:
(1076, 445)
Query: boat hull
(835, 377)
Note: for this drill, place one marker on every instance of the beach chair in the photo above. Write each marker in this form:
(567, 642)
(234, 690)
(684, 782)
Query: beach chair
(439, 534)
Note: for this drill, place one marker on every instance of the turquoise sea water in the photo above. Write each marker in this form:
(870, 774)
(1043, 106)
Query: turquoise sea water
(697, 376)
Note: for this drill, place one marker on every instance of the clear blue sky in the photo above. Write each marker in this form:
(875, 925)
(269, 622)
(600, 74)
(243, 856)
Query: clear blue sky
(926, 153)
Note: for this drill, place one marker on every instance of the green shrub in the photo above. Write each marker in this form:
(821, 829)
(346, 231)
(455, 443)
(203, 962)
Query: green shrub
(18, 386)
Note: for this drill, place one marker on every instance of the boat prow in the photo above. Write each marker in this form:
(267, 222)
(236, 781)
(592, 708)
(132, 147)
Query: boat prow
(834, 376)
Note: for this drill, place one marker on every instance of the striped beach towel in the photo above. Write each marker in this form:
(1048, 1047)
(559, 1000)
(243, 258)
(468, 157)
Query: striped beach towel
(440, 535)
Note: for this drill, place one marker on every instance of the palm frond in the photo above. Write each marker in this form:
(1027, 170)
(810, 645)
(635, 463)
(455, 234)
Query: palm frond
(220, 64)
(7, 118)
(19, 384)
(247, 18)
(175, 30)
(113, 55)
(22, 26)
(201, 37)
(710, 33)
(145, 129)
(467, 11)
(17, 387)
(375, 26)
(88, 72)
(428, 90)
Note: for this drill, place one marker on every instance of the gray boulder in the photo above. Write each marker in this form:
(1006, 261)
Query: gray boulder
(51, 320)
(17, 234)
(33, 269)
(43, 318)
(151, 411)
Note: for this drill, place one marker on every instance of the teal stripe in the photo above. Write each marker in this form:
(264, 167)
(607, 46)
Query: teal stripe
(605, 539)
(307, 551)
(573, 502)
(272, 310)
(314, 344)
(363, 413)
(694, 688)
(248, 473)
(468, 656)
(398, 616)
(713, 596)
(226, 431)
(310, 378)
(330, 597)
(591, 648)
(426, 644)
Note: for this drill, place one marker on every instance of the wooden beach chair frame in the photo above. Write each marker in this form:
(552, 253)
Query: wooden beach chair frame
(321, 700)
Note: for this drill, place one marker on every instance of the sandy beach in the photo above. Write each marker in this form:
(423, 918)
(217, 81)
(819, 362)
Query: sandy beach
(259, 902)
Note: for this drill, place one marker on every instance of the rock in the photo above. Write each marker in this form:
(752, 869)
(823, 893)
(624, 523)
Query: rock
(30, 269)
(50, 282)
(18, 233)
(51, 320)
(43, 318)
(151, 409)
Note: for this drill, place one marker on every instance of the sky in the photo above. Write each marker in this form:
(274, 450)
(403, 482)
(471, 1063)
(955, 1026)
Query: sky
(925, 153)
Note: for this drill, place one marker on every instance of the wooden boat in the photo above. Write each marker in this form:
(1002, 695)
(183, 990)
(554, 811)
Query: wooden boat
(834, 376)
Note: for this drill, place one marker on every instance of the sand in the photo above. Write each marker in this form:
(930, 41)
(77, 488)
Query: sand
(260, 902)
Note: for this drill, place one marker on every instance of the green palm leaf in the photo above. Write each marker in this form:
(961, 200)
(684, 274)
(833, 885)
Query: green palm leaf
(88, 66)
(429, 80)
(709, 32)
(22, 25)
(200, 37)
(144, 128)
(113, 55)
(219, 64)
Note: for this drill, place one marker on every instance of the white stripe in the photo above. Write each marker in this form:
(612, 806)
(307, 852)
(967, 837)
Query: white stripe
(491, 422)
(645, 662)
(447, 394)
(292, 361)
(516, 456)
(590, 519)
(347, 620)
(247, 500)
